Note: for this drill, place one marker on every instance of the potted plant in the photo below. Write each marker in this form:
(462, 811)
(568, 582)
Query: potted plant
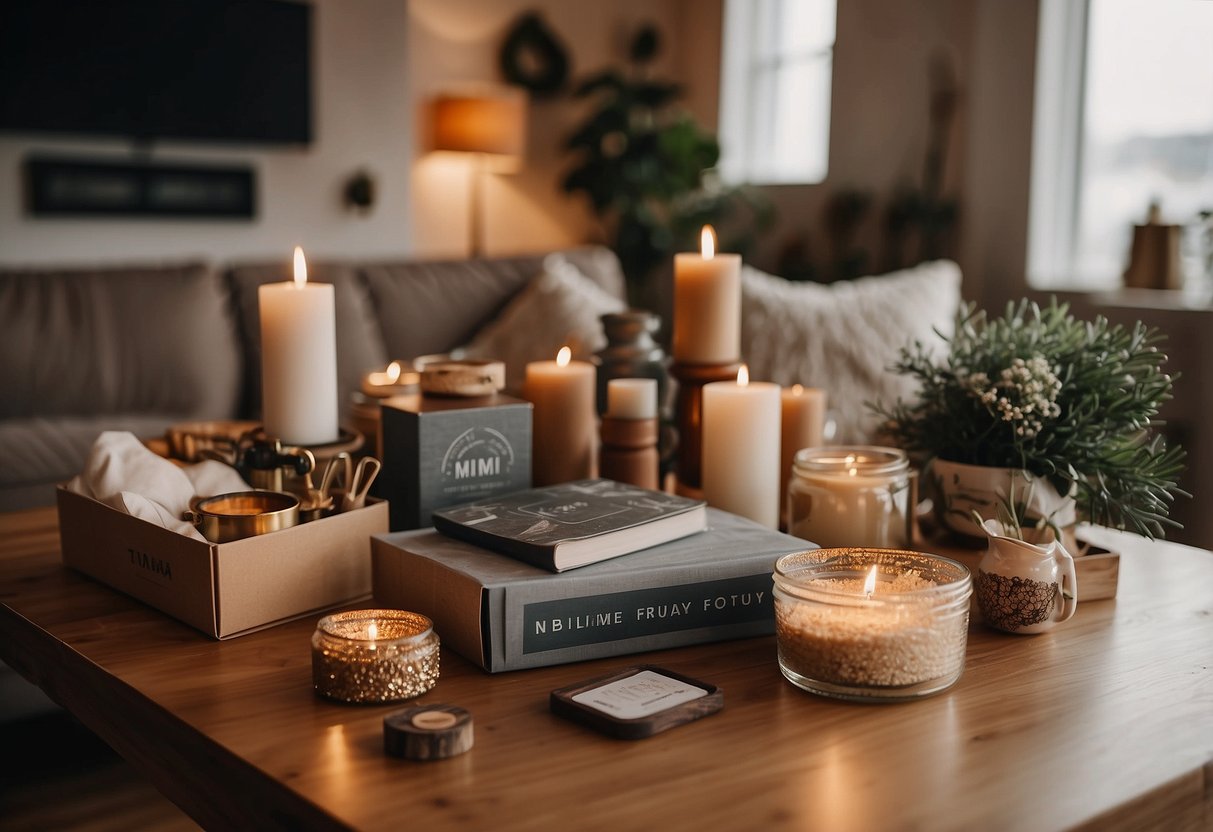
(1048, 417)
(645, 166)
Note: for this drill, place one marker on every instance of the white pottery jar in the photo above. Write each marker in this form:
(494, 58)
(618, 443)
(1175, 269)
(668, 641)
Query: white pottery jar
(1022, 587)
(960, 489)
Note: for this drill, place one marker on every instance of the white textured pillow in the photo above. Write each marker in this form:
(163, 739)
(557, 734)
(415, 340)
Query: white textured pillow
(559, 307)
(844, 336)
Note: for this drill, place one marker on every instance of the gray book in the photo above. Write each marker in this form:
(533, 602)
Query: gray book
(503, 614)
(573, 524)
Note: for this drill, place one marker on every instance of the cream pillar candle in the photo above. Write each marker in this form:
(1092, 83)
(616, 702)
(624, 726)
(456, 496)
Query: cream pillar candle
(632, 398)
(707, 304)
(741, 448)
(299, 359)
(802, 425)
(564, 420)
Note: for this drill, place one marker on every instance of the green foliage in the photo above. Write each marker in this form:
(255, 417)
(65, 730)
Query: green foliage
(641, 162)
(1078, 407)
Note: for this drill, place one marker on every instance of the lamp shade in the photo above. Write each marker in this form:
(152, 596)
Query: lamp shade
(492, 122)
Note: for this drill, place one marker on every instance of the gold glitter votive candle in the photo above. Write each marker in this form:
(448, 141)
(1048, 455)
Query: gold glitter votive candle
(869, 624)
(374, 656)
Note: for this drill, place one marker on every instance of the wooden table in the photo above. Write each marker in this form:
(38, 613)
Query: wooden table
(1106, 723)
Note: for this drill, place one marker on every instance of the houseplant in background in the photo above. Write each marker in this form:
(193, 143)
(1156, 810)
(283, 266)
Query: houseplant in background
(645, 166)
(1046, 415)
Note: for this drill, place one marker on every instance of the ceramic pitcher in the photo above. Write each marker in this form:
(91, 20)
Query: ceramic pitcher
(1023, 587)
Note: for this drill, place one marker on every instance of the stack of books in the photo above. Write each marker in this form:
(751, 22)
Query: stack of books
(582, 570)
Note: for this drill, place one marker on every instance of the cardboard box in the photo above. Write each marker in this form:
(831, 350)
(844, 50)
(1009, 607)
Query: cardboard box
(503, 614)
(224, 589)
(442, 451)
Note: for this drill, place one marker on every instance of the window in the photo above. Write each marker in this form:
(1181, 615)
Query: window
(775, 91)
(1124, 117)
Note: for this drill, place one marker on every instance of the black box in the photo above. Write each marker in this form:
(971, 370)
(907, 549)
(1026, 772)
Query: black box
(440, 451)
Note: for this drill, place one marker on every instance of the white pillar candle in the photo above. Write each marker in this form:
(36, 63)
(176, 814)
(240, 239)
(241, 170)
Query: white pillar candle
(632, 398)
(741, 448)
(564, 420)
(707, 304)
(299, 359)
(802, 425)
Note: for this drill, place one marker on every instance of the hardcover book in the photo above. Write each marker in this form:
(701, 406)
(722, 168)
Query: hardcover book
(573, 524)
(503, 614)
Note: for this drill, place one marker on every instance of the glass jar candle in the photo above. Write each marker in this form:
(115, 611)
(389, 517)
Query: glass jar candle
(871, 624)
(851, 496)
(374, 656)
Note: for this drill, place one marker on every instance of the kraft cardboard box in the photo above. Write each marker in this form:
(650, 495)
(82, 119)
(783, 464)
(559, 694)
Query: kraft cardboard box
(224, 589)
(442, 451)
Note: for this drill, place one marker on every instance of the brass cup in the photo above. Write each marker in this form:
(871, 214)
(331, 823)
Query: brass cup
(227, 517)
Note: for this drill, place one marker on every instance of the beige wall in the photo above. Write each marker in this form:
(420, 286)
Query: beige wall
(452, 42)
(380, 62)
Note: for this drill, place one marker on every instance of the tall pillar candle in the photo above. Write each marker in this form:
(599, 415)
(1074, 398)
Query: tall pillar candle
(741, 448)
(707, 304)
(564, 420)
(802, 425)
(299, 359)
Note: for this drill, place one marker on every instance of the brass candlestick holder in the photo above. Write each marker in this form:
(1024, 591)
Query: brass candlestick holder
(691, 379)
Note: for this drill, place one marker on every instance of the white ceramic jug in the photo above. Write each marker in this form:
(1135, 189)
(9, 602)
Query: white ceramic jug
(1022, 587)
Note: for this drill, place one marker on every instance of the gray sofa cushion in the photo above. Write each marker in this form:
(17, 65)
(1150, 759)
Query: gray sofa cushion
(359, 342)
(113, 341)
(437, 306)
(42, 452)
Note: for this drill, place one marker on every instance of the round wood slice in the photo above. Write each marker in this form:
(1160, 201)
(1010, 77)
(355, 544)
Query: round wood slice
(463, 378)
(427, 732)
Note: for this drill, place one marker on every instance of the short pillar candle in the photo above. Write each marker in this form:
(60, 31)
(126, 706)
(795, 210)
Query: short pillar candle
(630, 433)
(299, 359)
(707, 304)
(564, 421)
(802, 425)
(741, 448)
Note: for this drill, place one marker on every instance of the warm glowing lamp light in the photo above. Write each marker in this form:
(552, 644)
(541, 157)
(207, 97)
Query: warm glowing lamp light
(490, 123)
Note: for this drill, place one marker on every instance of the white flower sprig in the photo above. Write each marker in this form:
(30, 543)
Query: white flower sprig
(1025, 394)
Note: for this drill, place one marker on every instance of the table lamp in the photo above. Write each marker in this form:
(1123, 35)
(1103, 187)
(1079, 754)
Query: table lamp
(490, 124)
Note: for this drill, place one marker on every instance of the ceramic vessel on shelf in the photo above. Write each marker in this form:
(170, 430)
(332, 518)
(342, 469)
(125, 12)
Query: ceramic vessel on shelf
(1024, 587)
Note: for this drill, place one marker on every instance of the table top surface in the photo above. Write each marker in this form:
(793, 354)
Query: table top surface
(1106, 722)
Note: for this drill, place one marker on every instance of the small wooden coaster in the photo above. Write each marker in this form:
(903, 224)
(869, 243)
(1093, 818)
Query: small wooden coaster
(637, 702)
(463, 378)
(428, 732)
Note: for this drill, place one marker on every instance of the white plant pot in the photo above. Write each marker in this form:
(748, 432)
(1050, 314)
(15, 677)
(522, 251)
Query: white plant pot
(960, 489)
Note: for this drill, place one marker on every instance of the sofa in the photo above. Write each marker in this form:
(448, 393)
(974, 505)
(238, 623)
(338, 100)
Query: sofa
(140, 348)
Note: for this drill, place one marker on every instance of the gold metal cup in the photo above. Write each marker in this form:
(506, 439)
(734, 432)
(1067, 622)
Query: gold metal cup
(227, 517)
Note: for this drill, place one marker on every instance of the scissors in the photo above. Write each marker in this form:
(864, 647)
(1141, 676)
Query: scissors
(357, 488)
(339, 463)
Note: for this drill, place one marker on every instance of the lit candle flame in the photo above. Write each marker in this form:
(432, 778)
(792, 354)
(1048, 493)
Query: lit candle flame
(373, 631)
(797, 389)
(852, 472)
(393, 372)
(707, 242)
(300, 268)
(869, 585)
(743, 376)
(563, 357)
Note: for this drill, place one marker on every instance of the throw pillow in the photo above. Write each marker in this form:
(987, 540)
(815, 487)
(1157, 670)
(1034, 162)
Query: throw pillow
(559, 307)
(844, 336)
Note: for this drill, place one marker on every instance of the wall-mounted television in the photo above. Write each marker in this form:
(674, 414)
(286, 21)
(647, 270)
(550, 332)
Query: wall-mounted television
(212, 70)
